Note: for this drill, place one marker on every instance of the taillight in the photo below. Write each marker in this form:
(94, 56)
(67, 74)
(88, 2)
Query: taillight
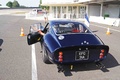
(102, 50)
(60, 53)
(60, 57)
(102, 54)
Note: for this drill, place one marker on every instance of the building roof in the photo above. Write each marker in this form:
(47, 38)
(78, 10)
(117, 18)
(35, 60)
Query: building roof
(102, 1)
(61, 4)
(82, 2)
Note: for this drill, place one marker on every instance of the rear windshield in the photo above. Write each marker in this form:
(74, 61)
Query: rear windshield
(65, 28)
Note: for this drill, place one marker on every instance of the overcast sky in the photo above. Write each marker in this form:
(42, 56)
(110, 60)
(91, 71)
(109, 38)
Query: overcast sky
(28, 3)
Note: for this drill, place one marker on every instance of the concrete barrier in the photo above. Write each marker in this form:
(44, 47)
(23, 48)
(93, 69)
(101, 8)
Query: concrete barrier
(107, 20)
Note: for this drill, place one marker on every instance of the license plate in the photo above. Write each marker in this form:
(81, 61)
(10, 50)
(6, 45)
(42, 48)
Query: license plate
(82, 55)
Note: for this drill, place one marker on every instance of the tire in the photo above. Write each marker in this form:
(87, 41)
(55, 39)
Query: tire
(45, 57)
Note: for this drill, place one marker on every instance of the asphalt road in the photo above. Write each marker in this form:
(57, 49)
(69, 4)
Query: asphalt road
(16, 55)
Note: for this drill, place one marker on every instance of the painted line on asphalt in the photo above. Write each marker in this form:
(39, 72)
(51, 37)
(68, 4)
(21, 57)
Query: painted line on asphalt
(34, 66)
(106, 28)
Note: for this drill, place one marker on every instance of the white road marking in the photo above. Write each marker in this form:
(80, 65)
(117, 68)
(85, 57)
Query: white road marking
(34, 67)
(106, 28)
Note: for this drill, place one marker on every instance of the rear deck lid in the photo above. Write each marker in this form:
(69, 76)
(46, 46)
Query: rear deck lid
(78, 39)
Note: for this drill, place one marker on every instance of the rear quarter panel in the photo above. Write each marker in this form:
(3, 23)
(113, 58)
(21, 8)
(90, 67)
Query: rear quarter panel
(50, 43)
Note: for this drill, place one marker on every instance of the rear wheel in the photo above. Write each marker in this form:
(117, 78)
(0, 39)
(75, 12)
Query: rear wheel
(45, 56)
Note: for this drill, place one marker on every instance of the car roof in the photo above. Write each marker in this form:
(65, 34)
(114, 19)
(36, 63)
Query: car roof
(65, 20)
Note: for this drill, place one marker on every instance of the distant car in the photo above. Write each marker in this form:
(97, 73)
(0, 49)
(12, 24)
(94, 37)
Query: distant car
(38, 11)
(68, 42)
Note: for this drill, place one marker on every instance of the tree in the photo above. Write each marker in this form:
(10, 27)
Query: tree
(40, 3)
(0, 4)
(43, 7)
(9, 4)
(15, 4)
(22, 6)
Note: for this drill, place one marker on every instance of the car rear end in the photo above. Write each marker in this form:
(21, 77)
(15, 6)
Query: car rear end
(80, 54)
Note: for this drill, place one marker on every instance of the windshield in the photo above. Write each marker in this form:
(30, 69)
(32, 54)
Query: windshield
(63, 28)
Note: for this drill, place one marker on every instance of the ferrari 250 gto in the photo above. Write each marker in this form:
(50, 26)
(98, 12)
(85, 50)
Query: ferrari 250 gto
(68, 42)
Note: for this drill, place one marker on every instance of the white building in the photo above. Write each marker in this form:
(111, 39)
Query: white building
(76, 9)
(65, 8)
(97, 9)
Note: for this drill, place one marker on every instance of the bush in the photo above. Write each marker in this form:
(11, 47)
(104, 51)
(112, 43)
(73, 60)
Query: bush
(106, 15)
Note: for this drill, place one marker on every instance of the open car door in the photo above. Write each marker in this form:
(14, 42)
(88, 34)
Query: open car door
(33, 35)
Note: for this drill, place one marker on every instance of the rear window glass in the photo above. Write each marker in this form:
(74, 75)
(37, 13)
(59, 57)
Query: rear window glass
(65, 28)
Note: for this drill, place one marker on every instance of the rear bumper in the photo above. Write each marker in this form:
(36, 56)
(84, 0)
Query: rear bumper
(77, 62)
(69, 54)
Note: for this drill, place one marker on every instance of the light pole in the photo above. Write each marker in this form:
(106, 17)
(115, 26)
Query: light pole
(119, 11)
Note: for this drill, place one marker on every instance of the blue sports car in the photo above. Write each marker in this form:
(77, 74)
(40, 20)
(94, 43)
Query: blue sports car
(68, 42)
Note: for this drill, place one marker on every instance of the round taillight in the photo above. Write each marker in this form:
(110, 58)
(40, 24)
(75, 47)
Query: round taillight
(61, 53)
(60, 57)
(101, 57)
(102, 51)
(101, 54)
(60, 60)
